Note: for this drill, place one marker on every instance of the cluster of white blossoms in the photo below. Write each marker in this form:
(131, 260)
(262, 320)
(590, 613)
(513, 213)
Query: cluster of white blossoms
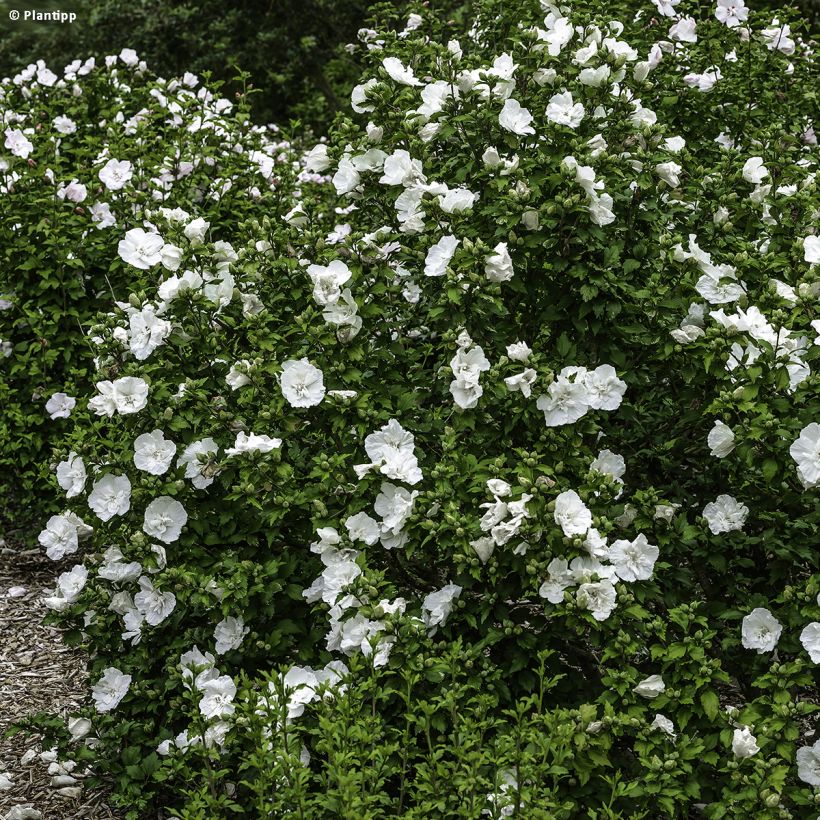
(576, 390)
(391, 451)
(502, 520)
(595, 574)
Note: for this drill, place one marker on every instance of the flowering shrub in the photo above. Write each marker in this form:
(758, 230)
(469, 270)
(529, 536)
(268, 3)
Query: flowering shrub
(85, 153)
(478, 477)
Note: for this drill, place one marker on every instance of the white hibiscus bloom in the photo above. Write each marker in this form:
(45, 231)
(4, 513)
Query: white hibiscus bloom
(760, 630)
(721, 440)
(153, 453)
(229, 634)
(110, 496)
(302, 383)
(110, 689)
(805, 451)
(633, 560)
(71, 475)
(140, 249)
(725, 514)
(571, 514)
(164, 519)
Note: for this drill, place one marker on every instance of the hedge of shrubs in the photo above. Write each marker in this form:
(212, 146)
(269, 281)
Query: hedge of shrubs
(103, 146)
(474, 471)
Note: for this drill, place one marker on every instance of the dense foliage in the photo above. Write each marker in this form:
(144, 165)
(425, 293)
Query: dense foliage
(292, 51)
(86, 152)
(474, 473)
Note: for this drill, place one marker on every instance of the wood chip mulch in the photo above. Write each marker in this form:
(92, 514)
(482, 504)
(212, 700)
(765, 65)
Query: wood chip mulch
(38, 673)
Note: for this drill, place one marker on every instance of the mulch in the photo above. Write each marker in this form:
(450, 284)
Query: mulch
(38, 673)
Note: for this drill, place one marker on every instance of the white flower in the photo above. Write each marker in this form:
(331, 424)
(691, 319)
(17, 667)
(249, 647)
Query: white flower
(60, 405)
(64, 125)
(721, 440)
(437, 606)
(253, 444)
(110, 689)
(346, 178)
(129, 57)
(394, 505)
(317, 160)
(148, 332)
(498, 266)
(362, 527)
(609, 463)
(328, 280)
(71, 475)
(110, 496)
(808, 764)
(603, 388)
(69, 586)
(128, 394)
(217, 697)
(811, 250)
(633, 560)
(810, 638)
(600, 210)
(101, 215)
(164, 519)
(75, 192)
(140, 249)
(457, 200)
(399, 73)
(599, 597)
(650, 687)
(664, 724)
(59, 538)
(563, 111)
(522, 382)
(439, 256)
(196, 458)
(777, 38)
(571, 514)
(564, 402)
(401, 169)
(78, 727)
(18, 143)
(153, 605)
(515, 118)
(196, 230)
(238, 374)
(171, 257)
(390, 449)
(302, 384)
(116, 174)
(153, 452)
(229, 634)
(467, 367)
(731, 12)
(519, 351)
(115, 569)
(744, 743)
(725, 514)
(760, 630)
(805, 451)
(684, 31)
(754, 171)
(669, 172)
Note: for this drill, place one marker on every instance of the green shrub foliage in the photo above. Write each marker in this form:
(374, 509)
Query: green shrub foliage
(100, 147)
(476, 475)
